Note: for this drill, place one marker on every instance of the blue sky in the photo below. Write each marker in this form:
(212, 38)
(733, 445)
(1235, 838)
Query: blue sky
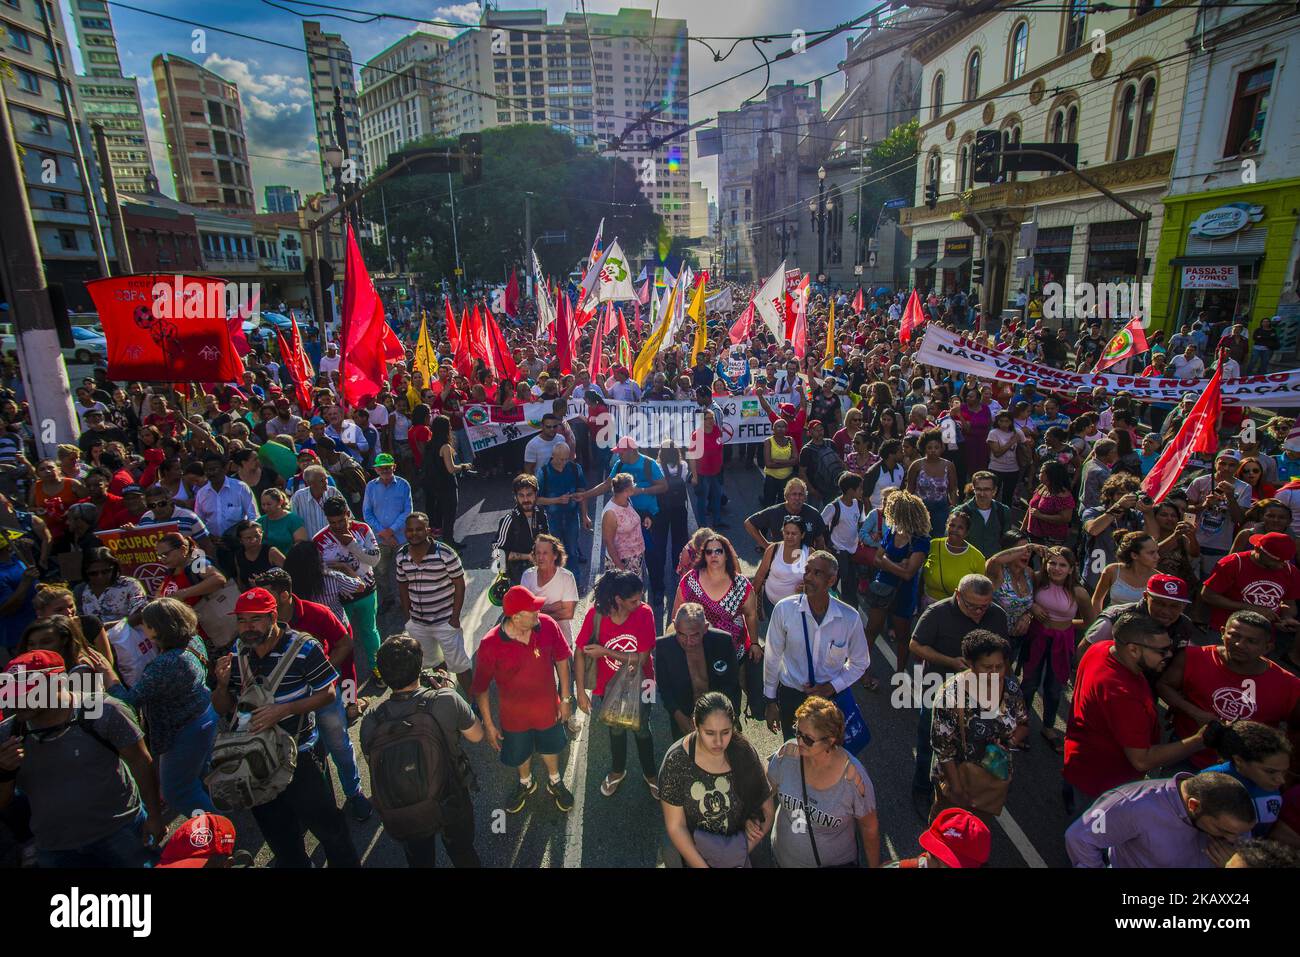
(277, 99)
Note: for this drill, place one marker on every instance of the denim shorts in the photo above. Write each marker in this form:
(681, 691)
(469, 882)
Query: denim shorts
(518, 746)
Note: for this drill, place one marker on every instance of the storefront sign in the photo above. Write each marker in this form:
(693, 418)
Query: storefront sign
(1210, 277)
(1226, 220)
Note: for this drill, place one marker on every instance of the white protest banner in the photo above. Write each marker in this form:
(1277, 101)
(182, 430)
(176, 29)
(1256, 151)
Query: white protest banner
(949, 350)
(720, 302)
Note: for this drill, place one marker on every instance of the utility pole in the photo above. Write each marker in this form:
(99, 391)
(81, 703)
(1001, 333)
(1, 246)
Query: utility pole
(528, 242)
(87, 194)
(460, 273)
(40, 360)
(388, 242)
(124, 267)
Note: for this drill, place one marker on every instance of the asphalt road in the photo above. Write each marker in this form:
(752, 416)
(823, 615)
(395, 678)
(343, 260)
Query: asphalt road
(627, 829)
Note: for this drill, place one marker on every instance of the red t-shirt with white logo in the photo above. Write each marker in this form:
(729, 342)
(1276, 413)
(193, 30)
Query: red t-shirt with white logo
(1269, 698)
(1113, 709)
(1241, 578)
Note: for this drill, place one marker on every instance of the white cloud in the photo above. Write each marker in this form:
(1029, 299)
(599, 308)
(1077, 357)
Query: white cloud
(242, 73)
(460, 12)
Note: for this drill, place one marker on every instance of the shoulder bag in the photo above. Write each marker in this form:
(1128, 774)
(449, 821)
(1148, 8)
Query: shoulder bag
(987, 793)
(857, 735)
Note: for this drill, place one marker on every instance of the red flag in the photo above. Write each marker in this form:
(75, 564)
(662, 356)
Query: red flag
(478, 340)
(857, 302)
(453, 337)
(511, 298)
(366, 338)
(235, 329)
(301, 385)
(643, 294)
(1198, 433)
(913, 318)
(1129, 341)
(799, 334)
(740, 329)
(166, 328)
(636, 318)
(503, 361)
(464, 359)
(564, 336)
(789, 317)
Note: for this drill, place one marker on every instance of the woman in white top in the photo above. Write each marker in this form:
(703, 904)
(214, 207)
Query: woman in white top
(548, 578)
(1003, 440)
(780, 574)
(620, 528)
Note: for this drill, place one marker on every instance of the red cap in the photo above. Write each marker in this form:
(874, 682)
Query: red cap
(31, 665)
(198, 840)
(626, 443)
(310, 453)
(1279, 545)
(255, 601)
(1169, 587)
(958, 838)
(520, 599)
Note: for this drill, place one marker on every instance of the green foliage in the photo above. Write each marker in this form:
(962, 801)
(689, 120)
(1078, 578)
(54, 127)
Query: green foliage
(571, 190)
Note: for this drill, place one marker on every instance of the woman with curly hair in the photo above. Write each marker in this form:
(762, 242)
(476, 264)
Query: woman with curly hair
(895, 590)
(1125, 580)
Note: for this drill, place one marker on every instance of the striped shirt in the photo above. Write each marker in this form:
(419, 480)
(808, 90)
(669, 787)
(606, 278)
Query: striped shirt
(310, 673)
(430, 582)
(304, 505)
(190, 524)
(361, 555)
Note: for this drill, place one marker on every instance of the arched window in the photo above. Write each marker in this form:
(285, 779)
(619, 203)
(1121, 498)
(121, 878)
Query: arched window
(973, 76)
(1064, 127)
(963, 167)
(1019, 50)
(1136, 113)
(1072, 123)
(1058, 126)
(1127, 106)
(937, 97)
(932, 175)
(1146, 113)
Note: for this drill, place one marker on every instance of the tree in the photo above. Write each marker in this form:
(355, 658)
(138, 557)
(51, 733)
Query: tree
(893, 165)
(571, 190)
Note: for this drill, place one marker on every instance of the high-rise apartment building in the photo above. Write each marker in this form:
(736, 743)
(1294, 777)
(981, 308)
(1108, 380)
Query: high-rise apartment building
(54, 181)
(329, 68)
(110, 98)
(206, 143)
(282, 199)
(401, 99)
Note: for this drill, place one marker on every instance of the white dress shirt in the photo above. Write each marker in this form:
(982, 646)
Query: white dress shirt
(840, 652)
(220, 510)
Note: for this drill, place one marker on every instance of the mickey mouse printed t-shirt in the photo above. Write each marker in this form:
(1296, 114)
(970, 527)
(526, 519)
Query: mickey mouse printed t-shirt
(709, 800)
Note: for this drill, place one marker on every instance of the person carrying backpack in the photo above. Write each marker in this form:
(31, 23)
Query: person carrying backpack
(820, 464)
(419, 778)
(264, 759)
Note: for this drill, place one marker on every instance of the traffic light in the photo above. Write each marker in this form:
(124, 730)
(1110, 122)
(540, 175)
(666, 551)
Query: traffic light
(931, 195)
(977, 273)
(471, 157)
(986, 162)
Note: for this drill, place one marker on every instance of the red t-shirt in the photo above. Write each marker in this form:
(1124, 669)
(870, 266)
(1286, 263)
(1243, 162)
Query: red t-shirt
(711, 455)
(794, 427)
(525, 675)
(636, 634)
(1269, 698)
(417, 436)
(112, 515)
(1113, 709)
(323, 625)
(1241, 578)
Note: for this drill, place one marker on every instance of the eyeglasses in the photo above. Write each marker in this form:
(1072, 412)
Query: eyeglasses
(1165, 651)
(715, 551)
(160, 503)
(807, 740)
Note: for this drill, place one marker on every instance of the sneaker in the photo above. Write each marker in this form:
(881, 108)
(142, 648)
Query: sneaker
(360, 807)
(377, 679)
(563, 799)
(522, 791)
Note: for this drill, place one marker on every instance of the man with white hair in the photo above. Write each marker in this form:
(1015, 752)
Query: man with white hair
(308, 503)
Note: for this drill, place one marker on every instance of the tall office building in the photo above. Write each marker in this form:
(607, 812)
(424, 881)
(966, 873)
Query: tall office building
(282, 199)
(329, 66)
(54, 181)
(401, 100)
(206, 143)
(110, 98)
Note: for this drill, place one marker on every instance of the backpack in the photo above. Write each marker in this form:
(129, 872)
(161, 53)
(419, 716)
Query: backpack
(413, 771)
(826, 470)
(248, 768)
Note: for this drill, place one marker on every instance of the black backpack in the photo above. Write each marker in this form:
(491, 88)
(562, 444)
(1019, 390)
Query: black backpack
(826, 471)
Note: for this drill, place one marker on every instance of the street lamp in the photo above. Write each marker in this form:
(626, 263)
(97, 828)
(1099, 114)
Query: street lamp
(334, 157)
(820, 209)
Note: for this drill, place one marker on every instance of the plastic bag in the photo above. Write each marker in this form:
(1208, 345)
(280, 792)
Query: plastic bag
(621, 705)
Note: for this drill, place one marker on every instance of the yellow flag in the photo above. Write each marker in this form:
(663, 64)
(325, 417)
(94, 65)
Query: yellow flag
(830, 339)
(645, 359)
(426, 361)
(696, 312)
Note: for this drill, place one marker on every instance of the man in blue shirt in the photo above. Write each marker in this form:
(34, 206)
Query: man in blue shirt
(384, 508)
(17, 587)
(649, 483)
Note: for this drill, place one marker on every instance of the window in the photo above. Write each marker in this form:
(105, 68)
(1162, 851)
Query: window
(67, 239)
(1249, 108)
(963, 167)
(1065, 124)
(1019, 50)
(1076, 19)
(40, 123)
(58, 201)
(20, 40)
(28, 80)
(1137, 105)
(973, 76)
(936, 108)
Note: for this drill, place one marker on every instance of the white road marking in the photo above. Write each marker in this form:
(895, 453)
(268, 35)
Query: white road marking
(476, 521)
(1013, 830)
(575, 779)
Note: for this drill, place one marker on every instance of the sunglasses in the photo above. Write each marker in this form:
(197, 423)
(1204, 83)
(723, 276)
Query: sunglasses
(1164, 651)
(807, 740)
(158, 503)
(715, 551)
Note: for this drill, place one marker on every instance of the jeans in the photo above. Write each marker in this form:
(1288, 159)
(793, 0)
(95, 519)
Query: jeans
(708, 499)
(123, 848)
(1258, 362)
(457, 840)
(921, 773)
(848, 583)
(1052, 688)
(386, 576)
(566, 525)
(464, 448)
(306, 804)
(332, 720)
(182, 766)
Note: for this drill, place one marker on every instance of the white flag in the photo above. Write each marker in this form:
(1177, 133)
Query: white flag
(770, 303)
(545, 308)
(614, 281)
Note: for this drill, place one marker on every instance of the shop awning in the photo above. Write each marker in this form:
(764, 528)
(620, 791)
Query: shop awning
(921, 262)
(952, 262)
(1221, 259)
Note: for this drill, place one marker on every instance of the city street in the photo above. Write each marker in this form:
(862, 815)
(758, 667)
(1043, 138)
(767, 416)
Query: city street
(627, 829)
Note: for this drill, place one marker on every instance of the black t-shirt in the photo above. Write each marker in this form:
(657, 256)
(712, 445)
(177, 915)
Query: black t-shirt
(106, 435)
(943, 625)
(769, 522)
(827, 411)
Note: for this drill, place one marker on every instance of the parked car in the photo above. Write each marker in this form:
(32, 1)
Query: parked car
(88, 346)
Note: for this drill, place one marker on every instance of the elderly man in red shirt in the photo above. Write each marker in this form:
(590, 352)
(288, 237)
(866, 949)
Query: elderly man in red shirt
(523, 655)
(1113, 732)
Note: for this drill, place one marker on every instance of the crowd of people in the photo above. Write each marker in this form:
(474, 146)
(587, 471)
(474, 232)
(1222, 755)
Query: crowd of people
(995, 537)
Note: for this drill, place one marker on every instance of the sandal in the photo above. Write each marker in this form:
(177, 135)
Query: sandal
(611, 783)
(1054, 741)
(870, 682)
(654, 788)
